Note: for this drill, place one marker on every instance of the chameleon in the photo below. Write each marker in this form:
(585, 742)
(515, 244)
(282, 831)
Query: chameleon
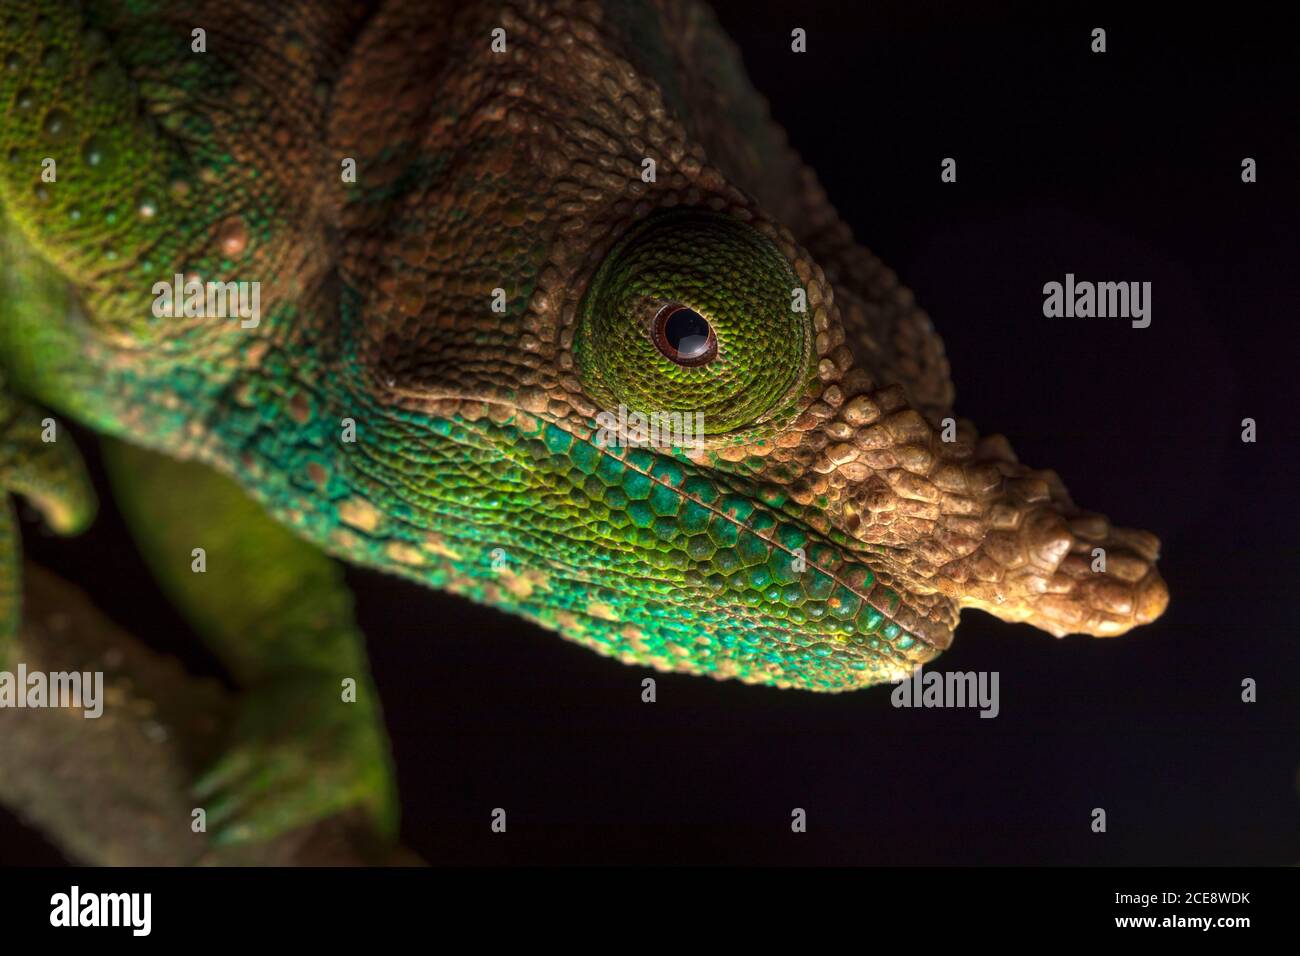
(480, 232)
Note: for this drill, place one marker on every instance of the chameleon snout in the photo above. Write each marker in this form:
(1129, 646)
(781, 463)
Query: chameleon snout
(958, 515)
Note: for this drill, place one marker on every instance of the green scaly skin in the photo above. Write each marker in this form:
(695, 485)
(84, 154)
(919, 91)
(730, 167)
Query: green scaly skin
(827, 533)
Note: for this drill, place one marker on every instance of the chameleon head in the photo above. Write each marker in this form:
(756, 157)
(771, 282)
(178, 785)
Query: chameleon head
(710, 475)
(699, 427)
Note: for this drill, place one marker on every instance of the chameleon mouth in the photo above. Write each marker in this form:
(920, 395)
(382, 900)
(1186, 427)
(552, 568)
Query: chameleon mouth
(838, 592)
(683, 567)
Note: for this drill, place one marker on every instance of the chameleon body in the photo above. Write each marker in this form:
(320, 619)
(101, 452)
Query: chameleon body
(537, 185)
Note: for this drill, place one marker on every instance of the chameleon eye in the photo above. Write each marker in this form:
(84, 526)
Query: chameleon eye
(690, 312)
(685, 336)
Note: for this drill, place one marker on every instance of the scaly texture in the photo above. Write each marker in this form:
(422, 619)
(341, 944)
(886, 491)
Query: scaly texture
(476, 465)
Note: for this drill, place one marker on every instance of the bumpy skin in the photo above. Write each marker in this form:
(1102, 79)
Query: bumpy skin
(476, 467)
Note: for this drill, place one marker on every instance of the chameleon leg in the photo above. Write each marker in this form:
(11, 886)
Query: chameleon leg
(51, 476)
(310, 741)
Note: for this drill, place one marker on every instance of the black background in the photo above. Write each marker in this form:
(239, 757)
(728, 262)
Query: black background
(1122, 166)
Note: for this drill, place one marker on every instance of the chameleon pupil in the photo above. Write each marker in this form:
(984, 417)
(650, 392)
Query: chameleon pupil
(685, 336)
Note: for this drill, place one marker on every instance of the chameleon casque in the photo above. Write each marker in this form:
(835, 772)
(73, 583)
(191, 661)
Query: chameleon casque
(826, 533)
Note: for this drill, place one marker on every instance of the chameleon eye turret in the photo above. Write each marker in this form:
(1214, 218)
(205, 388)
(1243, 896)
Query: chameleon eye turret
(691, 312)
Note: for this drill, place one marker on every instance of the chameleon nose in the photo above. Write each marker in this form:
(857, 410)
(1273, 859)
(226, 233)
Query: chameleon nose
(1089, 577)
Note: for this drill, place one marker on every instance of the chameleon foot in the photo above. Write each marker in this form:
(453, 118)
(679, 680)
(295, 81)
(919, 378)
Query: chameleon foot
(300, 754)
